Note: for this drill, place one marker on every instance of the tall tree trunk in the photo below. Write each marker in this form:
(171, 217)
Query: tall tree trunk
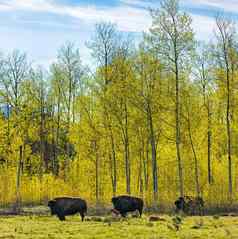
(41, 135)
(67, 161)
(207, 104)
(56, 166)
(106, 66)
(73, 105)
(145, 163)
(195, 158)
(209, 142)
(153, 153)
(112, 151)
(8, 132)
(127, 154)
(113, 162)
(226, 38)
(228, 131)
(53, 162)
(177, 112)
(127, 163)
(18, 181)
(140, 180)
(97, 172)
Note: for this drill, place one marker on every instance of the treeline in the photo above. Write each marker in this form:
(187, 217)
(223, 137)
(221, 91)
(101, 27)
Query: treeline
(156, 120)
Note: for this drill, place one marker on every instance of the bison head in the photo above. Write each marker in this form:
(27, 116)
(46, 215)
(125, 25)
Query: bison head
(180, 203)
(114, 200)
(51, 205)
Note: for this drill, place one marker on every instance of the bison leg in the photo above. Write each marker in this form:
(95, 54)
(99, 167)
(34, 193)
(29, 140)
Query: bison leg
(140, 211)
(201, 211)
(82, 216)
(61, 217)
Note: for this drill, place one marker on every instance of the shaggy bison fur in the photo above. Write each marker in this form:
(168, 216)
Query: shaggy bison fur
(124, 204)
(64, 206)
(190, 205)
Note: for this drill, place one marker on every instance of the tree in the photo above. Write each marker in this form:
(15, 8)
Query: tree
(103, 45)
(225, 37)
(193, 118)
(16, 69)
(70, 69)
(148, 89)
(36, 89)
(203, 73)
(171, 36)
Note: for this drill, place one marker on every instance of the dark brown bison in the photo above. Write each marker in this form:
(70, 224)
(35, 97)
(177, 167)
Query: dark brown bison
(190, 205)
(64, 206)
(124, 204)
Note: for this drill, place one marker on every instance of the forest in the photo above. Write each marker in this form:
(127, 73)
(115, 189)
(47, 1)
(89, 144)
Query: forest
(155, 119)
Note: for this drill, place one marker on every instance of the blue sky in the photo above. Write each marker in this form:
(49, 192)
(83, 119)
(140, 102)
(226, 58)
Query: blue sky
(40, 27)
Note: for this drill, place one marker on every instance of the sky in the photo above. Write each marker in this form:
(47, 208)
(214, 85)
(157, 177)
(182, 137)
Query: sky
(41, 27)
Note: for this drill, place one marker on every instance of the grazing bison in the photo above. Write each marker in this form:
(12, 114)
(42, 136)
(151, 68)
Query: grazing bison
(190, 205)
(124, 204)
(64, 206)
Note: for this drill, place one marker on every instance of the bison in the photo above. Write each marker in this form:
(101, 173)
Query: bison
(124, 204)
(190, 205)
(63, 206)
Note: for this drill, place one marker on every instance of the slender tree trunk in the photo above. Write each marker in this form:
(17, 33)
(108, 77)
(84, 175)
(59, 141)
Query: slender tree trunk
(112, 152)
(18, 182)
(228, 131)
(127, 154)
(73, 105)
(41, 136)
(195, 158)
(114, 164)
(8, 133)
(53, 141)
(228, 127)
(140, 180)
(153, 153)
(209, 142)
(112, 159)
(127, 162)
(226, 37)
(97, 172)
(144, 162)
(114, 172)
(53, 150)
(177, 112)
(207, 104)
(106, 63)
(56, 167)
(67, 161)
(147, 161)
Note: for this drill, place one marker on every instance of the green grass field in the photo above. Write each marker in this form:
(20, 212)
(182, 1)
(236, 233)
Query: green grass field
(23, 227)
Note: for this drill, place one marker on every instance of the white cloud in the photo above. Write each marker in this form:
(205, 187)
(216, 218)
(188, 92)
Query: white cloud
(141, 3)
(126, 17)
(129, 15)
(223, 5)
